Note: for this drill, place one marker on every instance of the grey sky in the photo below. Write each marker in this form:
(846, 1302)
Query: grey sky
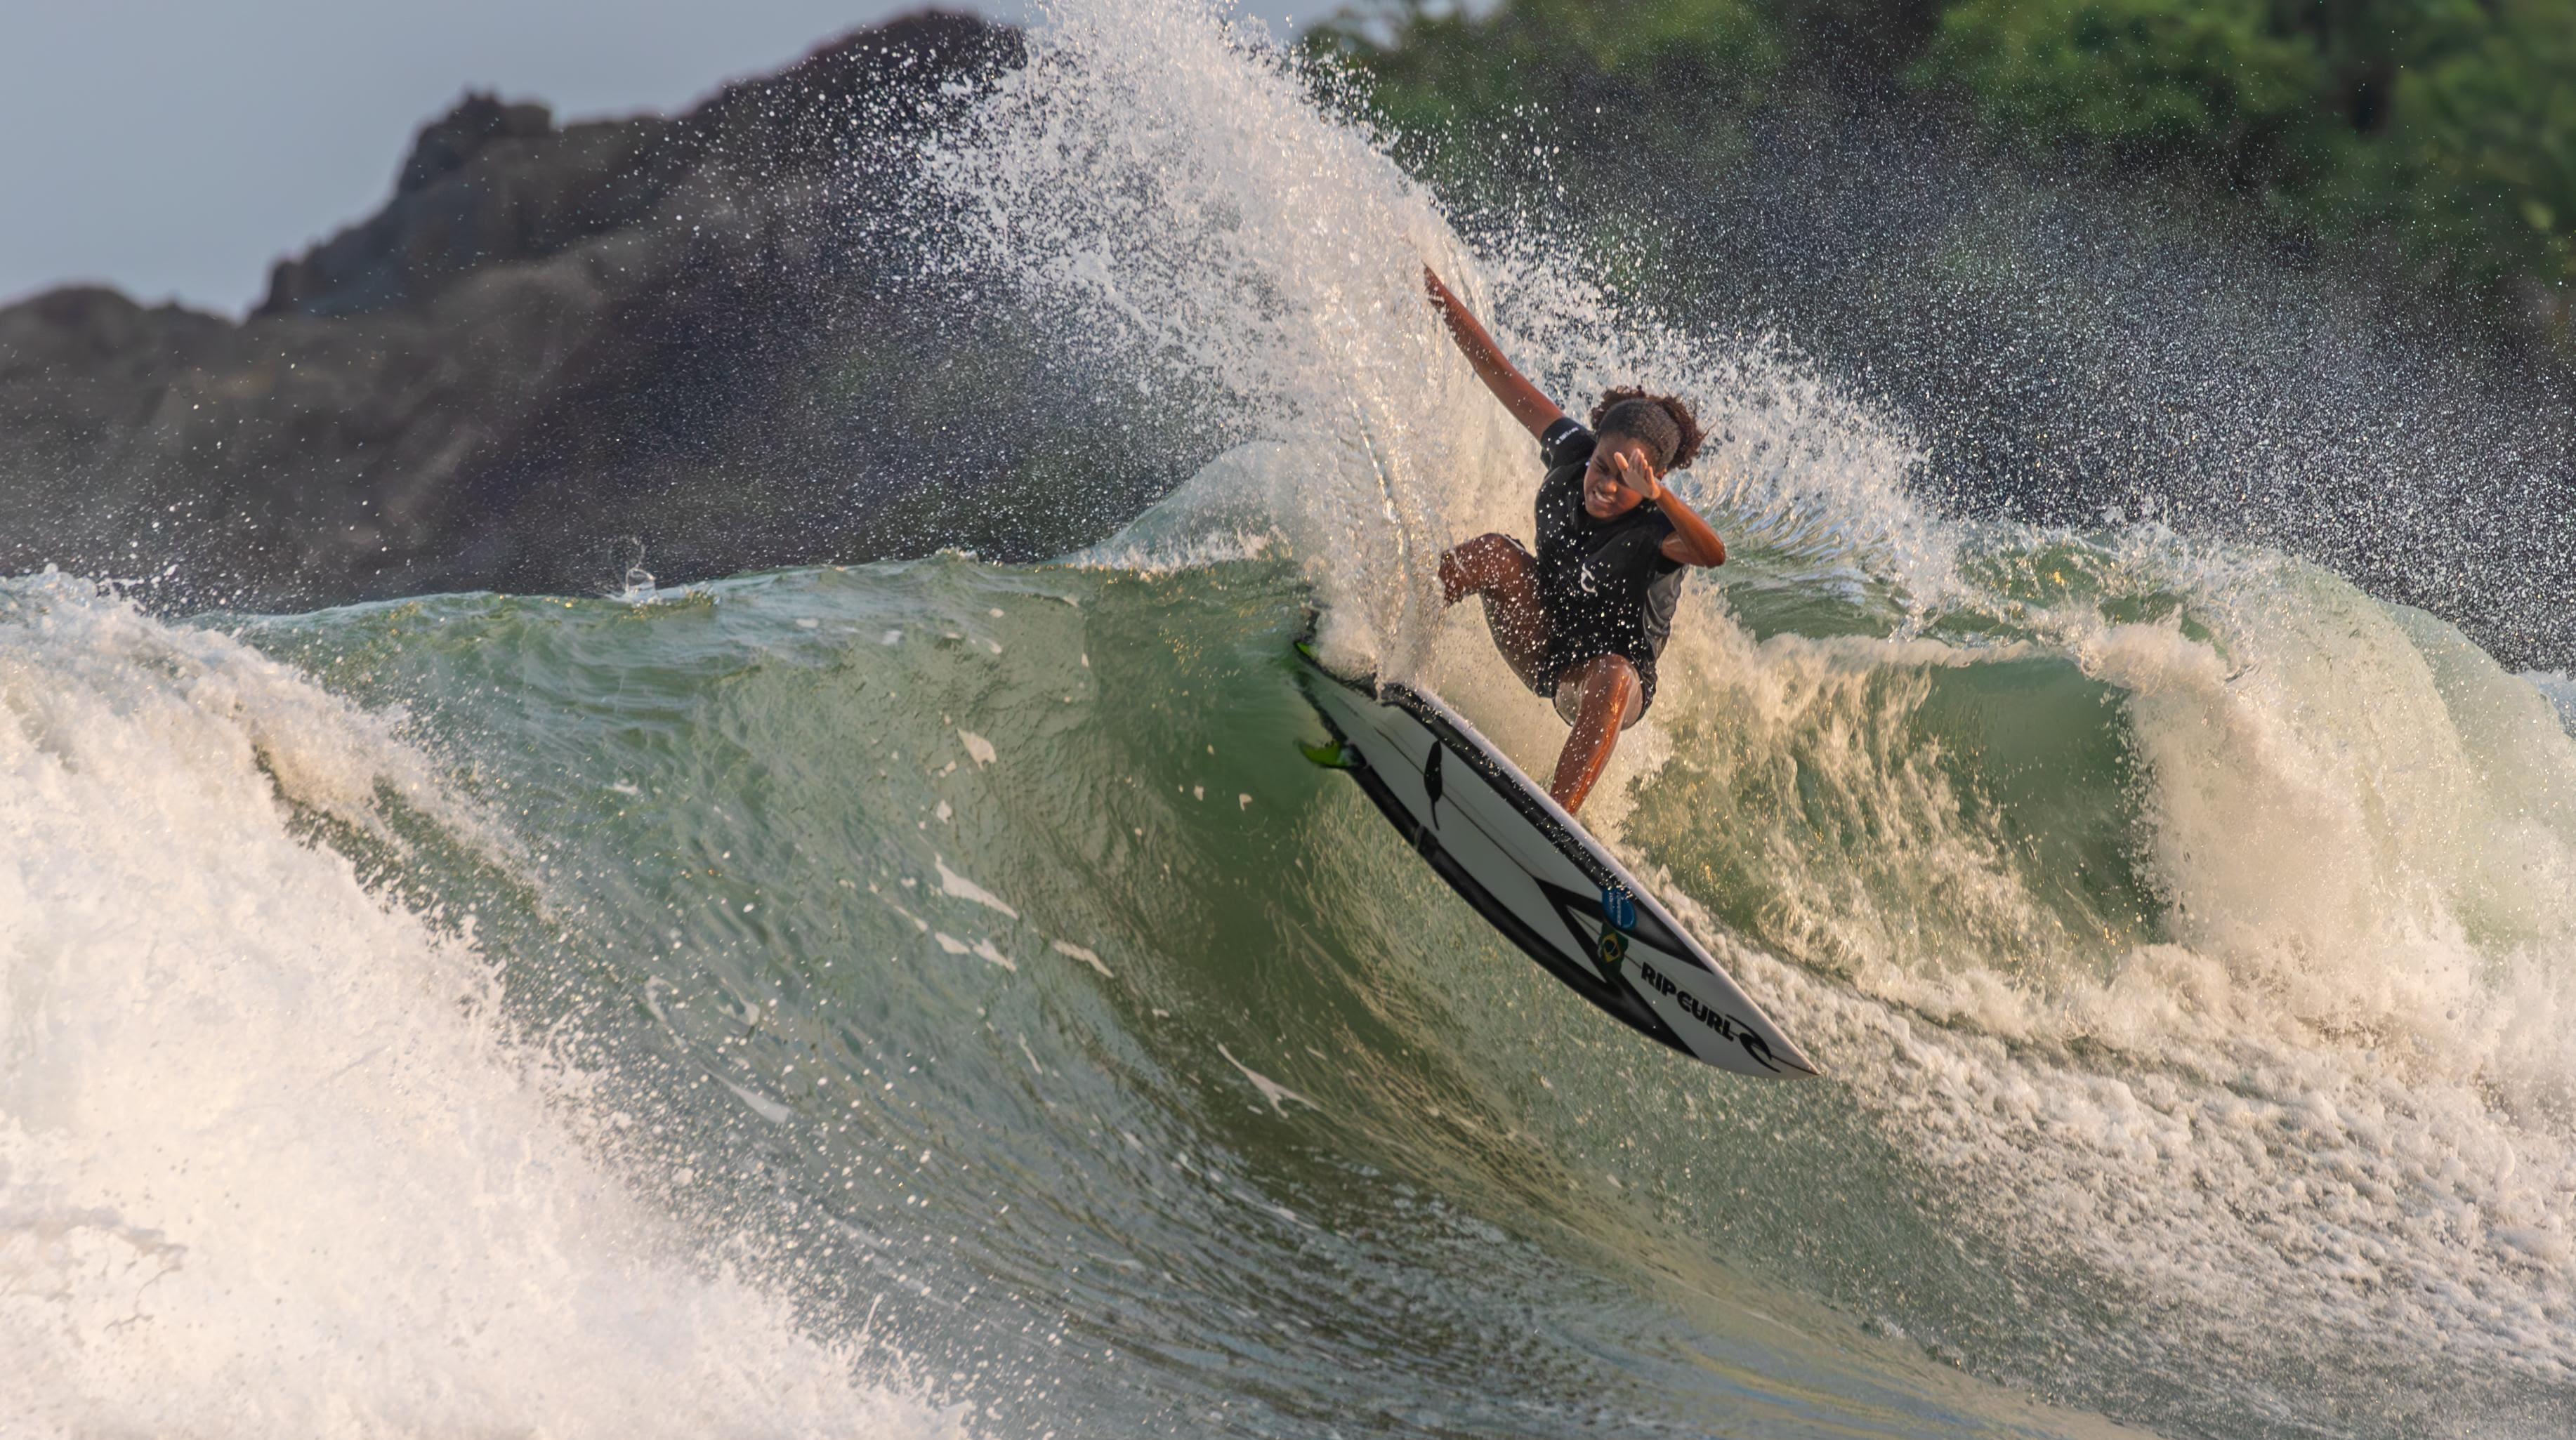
(176, 149)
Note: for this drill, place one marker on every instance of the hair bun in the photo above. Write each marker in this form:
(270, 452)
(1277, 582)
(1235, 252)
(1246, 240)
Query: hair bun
(1662, 422)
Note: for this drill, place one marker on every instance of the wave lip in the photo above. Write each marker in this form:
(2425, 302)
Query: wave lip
(2558, 687)
(269, 1160)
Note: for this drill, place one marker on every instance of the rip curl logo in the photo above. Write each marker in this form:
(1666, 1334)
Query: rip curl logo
(1690, 1005)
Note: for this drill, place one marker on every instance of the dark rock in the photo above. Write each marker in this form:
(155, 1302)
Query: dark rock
(697, 331)
(446, 144)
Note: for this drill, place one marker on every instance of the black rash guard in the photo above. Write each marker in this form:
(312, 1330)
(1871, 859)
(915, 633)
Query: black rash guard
(1606, 585)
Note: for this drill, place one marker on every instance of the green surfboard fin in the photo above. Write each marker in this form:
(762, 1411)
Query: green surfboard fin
(1331, 755)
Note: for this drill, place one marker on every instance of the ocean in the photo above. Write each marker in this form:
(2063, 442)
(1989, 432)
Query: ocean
(936, 997)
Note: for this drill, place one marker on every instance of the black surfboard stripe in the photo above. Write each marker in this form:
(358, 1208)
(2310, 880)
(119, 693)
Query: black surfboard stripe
(1620, 1002)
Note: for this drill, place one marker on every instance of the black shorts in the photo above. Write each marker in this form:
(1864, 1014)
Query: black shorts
(1567, 698)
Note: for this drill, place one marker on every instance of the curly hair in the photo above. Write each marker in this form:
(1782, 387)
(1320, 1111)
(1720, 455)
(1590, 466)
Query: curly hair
(1670, 432)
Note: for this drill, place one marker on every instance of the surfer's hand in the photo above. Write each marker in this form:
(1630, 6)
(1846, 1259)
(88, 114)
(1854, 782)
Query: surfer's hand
(1636, 477)
(1432, 286)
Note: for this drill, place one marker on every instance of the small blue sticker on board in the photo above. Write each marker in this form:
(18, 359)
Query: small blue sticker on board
(1619, 909)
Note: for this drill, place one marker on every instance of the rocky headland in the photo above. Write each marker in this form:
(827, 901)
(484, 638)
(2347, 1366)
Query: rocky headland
(708, 334)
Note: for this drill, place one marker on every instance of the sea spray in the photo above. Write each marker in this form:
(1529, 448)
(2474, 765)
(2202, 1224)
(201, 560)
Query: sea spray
(2559, 688)
(1165, 184)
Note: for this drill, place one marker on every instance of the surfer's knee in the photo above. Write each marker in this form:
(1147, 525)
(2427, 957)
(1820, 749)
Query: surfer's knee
(1607, 690)
(1615, 680)
(1632, 686)
(1474, 567)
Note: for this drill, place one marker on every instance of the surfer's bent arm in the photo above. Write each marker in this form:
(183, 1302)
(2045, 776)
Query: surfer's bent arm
(1528, 404)
(1693, 541)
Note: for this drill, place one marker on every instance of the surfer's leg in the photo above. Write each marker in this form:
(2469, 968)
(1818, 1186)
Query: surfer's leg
(1611, 693)
(1496, 567)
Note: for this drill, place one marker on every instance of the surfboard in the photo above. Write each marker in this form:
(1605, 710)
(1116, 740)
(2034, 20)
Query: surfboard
(1535, 874)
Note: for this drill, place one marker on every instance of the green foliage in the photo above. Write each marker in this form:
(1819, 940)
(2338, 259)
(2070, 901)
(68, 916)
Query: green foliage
(2442, 129)
(1606, 71)
(2478, 169)
(2197, 76)
(2441, 133)
(1412, 43)
(1614, 96)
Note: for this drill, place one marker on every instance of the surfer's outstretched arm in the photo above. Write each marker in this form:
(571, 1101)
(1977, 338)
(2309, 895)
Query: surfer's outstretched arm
(1528, 404)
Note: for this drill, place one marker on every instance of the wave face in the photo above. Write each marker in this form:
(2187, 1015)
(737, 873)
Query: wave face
(937, 995)
(935, 998)
(274, 1158)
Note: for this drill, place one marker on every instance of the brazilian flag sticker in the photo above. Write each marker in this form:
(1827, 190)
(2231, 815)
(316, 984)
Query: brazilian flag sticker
(1608, 952)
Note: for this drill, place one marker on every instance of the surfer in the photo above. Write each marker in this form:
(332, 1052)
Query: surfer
(1583, 621)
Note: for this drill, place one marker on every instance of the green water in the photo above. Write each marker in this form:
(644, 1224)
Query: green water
(965, 955)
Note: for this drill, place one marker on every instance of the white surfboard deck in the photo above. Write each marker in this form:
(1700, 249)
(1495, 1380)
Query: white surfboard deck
(1537, 876)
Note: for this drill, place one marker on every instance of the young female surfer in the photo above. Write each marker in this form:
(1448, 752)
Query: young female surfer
(1583, 622)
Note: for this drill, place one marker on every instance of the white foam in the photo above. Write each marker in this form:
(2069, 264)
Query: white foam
(2558, 687)
(2329, 1096)
(1271, 1090)
(964, 889)
(267, 1163)
(1088, 957)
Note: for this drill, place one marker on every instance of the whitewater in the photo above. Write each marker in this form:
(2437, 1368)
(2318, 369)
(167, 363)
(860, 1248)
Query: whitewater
(935, 997)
